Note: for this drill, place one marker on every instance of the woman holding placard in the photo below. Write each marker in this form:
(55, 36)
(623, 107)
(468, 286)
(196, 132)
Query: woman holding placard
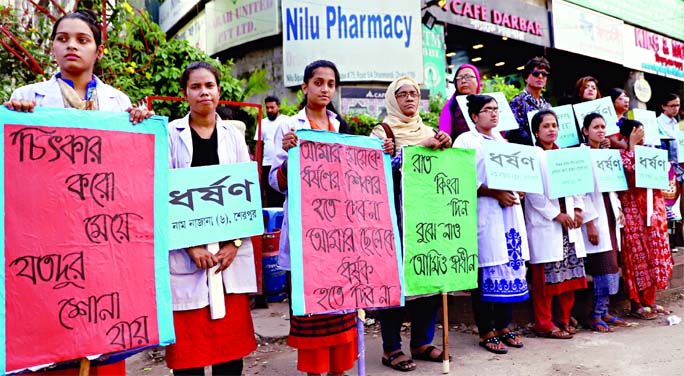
(556, 263)
(404, 126)
(586, 89)
(646, 256)
(501, 238)
(325, 343)
(201, 138)
(601, 235)
(451, 119)
(77, 47)
(621, 105)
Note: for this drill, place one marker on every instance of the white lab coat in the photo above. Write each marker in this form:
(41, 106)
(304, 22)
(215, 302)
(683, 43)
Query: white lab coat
(545, 236)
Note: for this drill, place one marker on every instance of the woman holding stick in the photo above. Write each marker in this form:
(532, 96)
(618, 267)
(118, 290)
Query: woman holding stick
(501, 239)
(601, 235)
(325, 343)
(646, 256)
(557, 264)
(403, 126)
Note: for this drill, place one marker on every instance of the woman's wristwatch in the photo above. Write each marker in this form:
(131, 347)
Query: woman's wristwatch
(237, 242)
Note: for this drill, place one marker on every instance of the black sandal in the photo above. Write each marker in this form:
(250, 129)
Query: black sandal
(407, 365)
(493, 340)
(510, 338)
(425, 355)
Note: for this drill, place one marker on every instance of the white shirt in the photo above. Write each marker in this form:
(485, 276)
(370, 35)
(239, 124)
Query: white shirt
(189, 284)
(667, 126)
(268, 128)
(545, 235)
(491, 238)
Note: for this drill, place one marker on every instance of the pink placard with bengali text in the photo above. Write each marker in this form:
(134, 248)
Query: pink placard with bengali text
(79, 243)
(348, 238)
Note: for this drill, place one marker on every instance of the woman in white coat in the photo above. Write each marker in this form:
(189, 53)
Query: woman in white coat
(201, 138)
(556, 264)
(501, 238)
(601, 234)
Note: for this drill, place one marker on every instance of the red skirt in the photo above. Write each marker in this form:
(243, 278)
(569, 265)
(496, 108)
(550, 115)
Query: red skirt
(201, 342)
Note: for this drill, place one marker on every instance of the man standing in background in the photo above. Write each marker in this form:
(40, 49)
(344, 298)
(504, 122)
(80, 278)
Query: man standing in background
(268, 127)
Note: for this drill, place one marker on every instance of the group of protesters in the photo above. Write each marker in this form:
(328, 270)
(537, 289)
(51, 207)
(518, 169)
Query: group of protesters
(327, 343)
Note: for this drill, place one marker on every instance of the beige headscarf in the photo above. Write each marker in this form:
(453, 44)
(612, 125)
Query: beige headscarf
(408, 130)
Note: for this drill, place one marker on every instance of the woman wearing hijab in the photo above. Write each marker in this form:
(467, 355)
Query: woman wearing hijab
(452, 120)
(404, 125)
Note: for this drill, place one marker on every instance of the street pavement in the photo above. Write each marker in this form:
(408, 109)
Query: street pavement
(650, 348)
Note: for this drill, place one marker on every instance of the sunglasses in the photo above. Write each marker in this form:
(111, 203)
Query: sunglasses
(537, 73)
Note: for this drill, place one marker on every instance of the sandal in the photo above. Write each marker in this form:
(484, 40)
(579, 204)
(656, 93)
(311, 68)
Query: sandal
(615, 321)
(599, 325)
(425, 355)
(644, 313)
(657, 308)
(568, 328)
(511, 339)
(404, 366)
(555, 333)
(493, 340)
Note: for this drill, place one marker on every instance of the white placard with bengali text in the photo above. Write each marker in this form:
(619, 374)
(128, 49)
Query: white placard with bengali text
(506, 118)
(367, 40)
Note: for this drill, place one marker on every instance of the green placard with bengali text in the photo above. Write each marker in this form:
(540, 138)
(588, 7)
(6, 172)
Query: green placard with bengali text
(439, 191)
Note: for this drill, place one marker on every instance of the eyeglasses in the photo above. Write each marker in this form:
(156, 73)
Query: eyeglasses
(465, 77)
(404, 94)
(537, 73)
(491, 111)
(671, 105)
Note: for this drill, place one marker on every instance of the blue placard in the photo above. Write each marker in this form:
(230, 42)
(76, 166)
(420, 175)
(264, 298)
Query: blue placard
(604, 107)
(608, 170)
(567, 130)
(651, 167)
(213, 203)
(512, 167)
(569, 172)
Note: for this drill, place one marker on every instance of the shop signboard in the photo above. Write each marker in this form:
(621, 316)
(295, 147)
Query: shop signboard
(195, 32)
(586, 32)
(513, 19)
(663, 16)
(235, 22)
(171, 11)
(371, 101)
(367, 40)
(434, 61)
(654, 53)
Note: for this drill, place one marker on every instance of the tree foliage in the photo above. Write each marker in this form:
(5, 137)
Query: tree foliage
(138, 58)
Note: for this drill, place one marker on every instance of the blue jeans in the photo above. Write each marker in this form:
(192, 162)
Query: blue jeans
(423, 313)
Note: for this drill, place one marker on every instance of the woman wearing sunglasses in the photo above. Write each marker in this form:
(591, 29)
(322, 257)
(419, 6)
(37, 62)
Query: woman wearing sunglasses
(536, 73)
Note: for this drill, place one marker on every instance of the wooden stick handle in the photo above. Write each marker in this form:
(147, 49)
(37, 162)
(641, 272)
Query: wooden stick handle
(445, 331)
(84, 369)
